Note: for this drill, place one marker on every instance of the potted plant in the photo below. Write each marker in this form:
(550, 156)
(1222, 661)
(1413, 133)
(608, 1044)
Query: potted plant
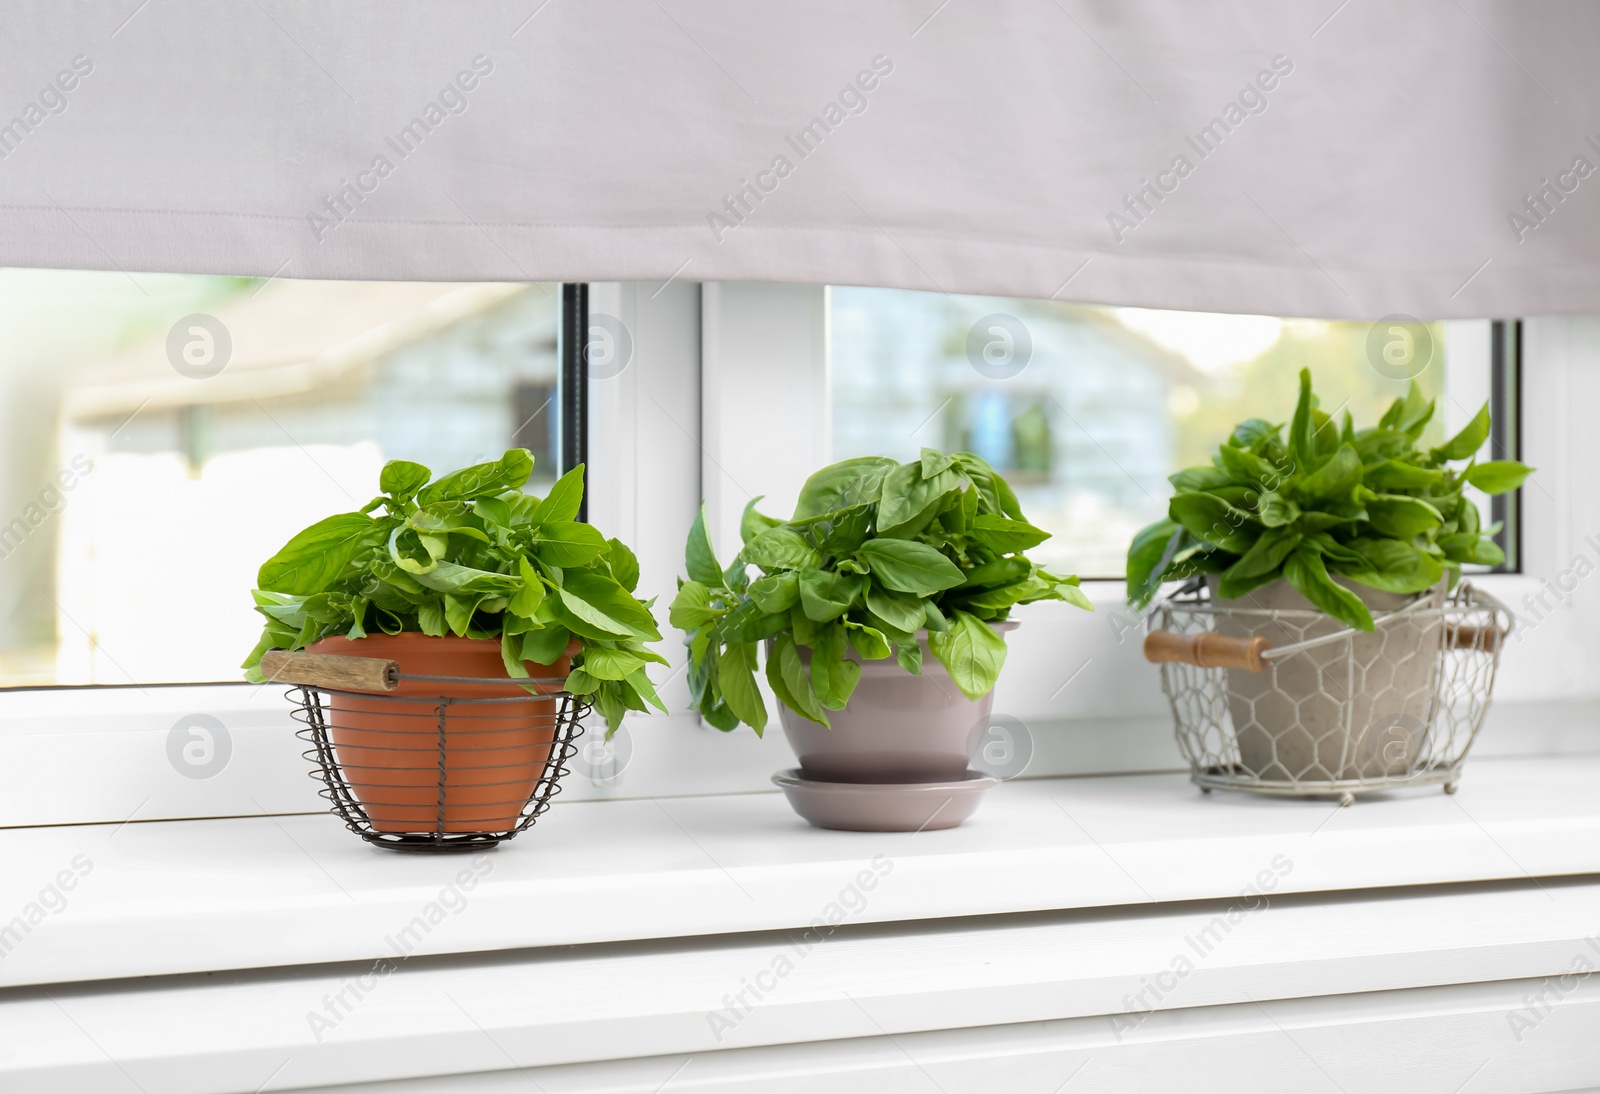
(463, 577)
(1304, 536)
(883, 604)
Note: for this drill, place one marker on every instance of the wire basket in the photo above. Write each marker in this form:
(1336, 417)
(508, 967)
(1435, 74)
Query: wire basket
(466, 768)
(1287, 701)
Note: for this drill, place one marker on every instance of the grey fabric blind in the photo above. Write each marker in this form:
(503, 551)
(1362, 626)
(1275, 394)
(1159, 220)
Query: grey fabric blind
(1424, 158)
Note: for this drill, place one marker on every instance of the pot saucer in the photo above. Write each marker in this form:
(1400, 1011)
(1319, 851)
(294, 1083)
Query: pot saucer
(884, 807)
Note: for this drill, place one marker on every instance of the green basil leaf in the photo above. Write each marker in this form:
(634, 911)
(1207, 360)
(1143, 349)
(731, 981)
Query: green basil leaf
(909, 501)
(971, 652)
(509, 472)
(1244, 466)
(718, 716)
(1212, 520)
(430, 617)
(401, 479)
(580, 682)
(900, 611)
(511, 656)
(781, 548)
(1001, 597)
(1335, 478)
(1393, 566)
(1498, 476)
(842, 533)
(602, 604)
(545, 645)
(752, 523)
(609, 664)
(825, 596)
(314, 559)
(458, 614)
(791, 683)
(1276, 510)
(691, 609)
(776, 592)
(698, 555)
(561, 505)
(993, 490)
(1416, 411)
(1302, 442)
(1252, 432)
(1149, 557)
(1338, 554)
(491, 511)
(910, 567)
(526, 600)
(449, 577)
(642, 686)
(934, 461)
(842, 485)
(1199, 478)
(1002, 571)
(909, 654)
(1489, 552)
(1464, 444)
(1005, 535)
(624, 564)
(735, 674)
(1266, 556)
(1306, 572)
(1233, 586)
(1402, 517)
(1391, 475)
(748, 623)
(869, 642)
(566, 543)
(833, 676)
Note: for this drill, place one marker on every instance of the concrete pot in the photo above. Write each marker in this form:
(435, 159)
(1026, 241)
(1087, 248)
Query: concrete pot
(1357, 708)
(897, 728)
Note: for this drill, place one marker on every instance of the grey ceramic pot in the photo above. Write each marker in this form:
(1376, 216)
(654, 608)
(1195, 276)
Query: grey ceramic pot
(897, 728)
(1357, 708)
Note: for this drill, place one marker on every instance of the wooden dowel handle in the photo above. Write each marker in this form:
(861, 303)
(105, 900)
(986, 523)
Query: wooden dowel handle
(328, 670)
(1206, 650)
(1470, 637)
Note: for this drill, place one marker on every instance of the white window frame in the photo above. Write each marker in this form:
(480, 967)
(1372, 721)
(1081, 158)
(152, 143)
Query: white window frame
(726, 391)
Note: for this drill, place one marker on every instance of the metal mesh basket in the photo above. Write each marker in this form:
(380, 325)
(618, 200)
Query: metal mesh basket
(429, 772)
(1290, 702)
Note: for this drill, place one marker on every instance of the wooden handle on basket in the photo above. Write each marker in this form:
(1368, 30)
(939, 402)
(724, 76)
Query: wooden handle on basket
(329, 670)
(1206, 650)
(1471, 637)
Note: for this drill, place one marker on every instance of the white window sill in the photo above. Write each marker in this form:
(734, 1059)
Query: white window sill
(195, 896)
(1357, 940)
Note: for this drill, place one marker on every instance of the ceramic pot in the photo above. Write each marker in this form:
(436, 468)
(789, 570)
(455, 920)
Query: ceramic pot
(1356, 708)
(493, 754)
(897, 728)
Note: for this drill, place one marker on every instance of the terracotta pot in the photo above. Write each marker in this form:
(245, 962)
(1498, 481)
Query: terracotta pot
(1352, 709)
(494, 753)
(897, 728)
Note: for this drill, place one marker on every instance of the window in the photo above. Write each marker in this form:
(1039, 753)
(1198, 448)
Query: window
(1088, 409)
(167, 433)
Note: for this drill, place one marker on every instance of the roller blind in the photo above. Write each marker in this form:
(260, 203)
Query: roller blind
(1342, 160)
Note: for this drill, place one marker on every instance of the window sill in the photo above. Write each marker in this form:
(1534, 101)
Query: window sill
(196, 896)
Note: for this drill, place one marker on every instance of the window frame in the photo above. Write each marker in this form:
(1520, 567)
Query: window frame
(658, 441)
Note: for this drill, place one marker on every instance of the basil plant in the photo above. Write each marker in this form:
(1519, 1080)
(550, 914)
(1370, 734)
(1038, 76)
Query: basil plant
(470, 554)
(1368, 504)
(875, 553)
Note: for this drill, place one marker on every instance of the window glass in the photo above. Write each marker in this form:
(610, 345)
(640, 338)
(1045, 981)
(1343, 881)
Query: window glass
(1086, 409)
(164, 434)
